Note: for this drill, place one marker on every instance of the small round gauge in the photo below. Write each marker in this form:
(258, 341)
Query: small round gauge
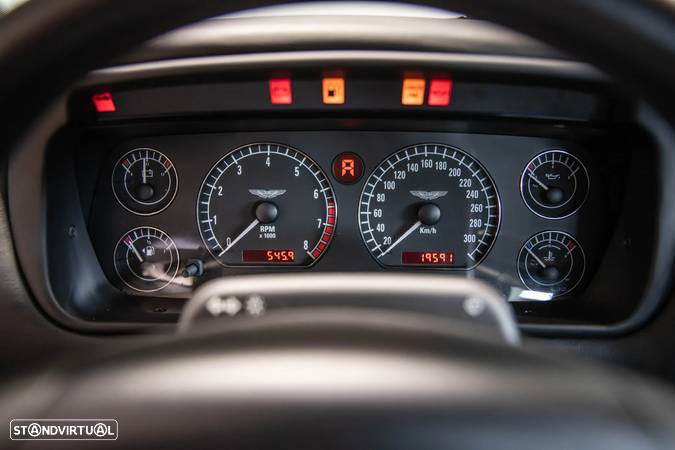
(266, 204)
(144, 181)
(552, 262)
(554, 184)
(146, 259)
(429, 205)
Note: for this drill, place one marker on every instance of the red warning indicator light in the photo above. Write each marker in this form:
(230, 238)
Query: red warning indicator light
(348, 168)
(280, 91)
(103, 102)
(439, 92)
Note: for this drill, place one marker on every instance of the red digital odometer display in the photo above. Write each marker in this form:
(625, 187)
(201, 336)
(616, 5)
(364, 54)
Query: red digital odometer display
(268, 256)
(428, 258)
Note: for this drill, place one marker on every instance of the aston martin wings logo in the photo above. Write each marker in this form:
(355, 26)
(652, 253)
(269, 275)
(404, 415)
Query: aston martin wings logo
(429, 195)
(267, 193)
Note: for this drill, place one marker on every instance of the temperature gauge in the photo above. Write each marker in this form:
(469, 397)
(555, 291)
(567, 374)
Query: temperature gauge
(552, 262)
(144, 181)
(554, 184)
(146, 259)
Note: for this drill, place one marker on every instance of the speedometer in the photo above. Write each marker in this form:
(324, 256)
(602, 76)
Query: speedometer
(429, 205)
(266, 204)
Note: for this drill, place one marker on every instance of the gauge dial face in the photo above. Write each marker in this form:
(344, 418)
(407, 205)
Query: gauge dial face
(144, 181)
(554, 184)
(429, 205)
(552, 262)
(266, 204)
(146, 259)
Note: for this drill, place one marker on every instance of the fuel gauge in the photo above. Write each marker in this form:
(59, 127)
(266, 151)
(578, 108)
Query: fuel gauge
(552, 262)
(146, 259)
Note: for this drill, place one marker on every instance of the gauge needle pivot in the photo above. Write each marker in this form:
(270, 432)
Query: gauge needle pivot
(531, 175)
(401, 239)
(241, 235)
(536, 258)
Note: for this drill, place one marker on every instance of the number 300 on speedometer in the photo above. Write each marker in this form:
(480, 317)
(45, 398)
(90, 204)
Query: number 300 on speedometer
(429, 205)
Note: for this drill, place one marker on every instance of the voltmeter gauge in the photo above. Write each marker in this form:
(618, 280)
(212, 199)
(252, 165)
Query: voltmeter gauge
(551, 262)
(146, 259)
(144, 181)
(554, 184)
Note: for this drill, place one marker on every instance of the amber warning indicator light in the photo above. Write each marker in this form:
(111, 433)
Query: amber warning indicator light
(348, 168)
(439, 92)
(413, 91)
(103, 102)
(333, 91)
(280, 91)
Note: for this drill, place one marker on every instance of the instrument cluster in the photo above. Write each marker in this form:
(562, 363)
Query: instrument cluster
(175, 211)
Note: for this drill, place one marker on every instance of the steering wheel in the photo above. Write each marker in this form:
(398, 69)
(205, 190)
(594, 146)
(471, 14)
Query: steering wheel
(365, 381)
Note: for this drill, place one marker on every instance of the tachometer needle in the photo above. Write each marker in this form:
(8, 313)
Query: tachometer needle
(536, 258)
(531, 175)
(145, 175)
(399, 240)
(241, 235)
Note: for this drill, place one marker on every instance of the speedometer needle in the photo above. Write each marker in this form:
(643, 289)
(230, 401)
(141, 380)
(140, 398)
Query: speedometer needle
(241, 235)
(399, 240)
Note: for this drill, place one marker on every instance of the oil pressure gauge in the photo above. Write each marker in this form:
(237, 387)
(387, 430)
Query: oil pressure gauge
(551, 262)
(554, 184)
(144, 181)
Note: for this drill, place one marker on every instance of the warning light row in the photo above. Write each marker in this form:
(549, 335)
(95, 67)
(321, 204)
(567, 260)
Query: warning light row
(413, 93)
(333, 89)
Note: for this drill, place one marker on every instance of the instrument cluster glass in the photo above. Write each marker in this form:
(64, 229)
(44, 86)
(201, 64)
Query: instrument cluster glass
(503, 208)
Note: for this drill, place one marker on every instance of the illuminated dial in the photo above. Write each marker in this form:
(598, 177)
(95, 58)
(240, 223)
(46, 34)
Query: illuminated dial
(144, 181)
(551, 262)
(429, 205)
(554, 184)
(146, 259)
(266, 204)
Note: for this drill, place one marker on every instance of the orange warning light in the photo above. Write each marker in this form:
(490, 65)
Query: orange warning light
(333, 91)
(412, 93)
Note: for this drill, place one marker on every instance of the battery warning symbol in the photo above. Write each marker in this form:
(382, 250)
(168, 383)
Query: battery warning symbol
(333, 91)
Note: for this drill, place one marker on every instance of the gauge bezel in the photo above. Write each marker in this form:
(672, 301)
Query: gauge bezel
(583, 260)
(523, 183)
(423, 267)
(173, 277)
(326, 205)
(112, 183)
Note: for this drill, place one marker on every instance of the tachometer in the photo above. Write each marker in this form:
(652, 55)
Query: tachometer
(266, 204)
(429, 205)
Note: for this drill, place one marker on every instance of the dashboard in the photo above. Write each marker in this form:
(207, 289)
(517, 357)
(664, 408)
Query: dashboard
(538, 186)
